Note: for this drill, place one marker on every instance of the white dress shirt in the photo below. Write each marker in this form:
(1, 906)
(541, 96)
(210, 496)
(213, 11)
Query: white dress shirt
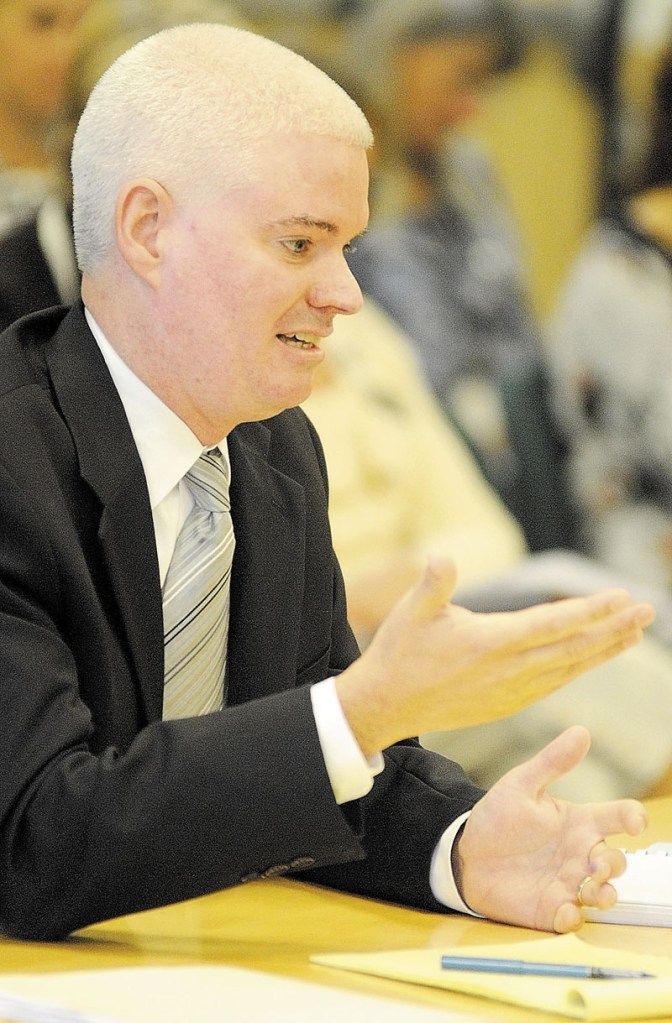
(168, 449)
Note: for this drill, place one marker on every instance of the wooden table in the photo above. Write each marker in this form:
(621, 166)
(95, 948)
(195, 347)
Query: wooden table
(274, 926)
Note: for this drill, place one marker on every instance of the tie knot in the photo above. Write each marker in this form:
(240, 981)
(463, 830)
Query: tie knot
(208, 481)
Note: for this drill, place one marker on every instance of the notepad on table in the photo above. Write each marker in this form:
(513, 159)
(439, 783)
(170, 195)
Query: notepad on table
(578, 999)
(644, 890)
(197, 994)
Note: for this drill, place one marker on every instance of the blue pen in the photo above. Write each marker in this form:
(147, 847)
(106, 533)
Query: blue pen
(523, 967)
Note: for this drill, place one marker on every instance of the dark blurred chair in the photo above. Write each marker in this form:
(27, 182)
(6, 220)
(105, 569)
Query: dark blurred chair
(538, 496)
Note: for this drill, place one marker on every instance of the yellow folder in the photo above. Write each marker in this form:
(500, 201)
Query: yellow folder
(578, 999)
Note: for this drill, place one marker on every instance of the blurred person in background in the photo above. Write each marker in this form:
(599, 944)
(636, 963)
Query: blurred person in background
(442, 255)
(611, 353)
(37, 40)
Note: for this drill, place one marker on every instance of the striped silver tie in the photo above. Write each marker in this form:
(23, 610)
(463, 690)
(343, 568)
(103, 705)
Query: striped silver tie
(196, 595)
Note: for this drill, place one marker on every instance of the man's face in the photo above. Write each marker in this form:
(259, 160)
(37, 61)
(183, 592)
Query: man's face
(253, 280)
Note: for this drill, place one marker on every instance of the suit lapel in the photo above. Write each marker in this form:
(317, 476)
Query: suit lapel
(268, 510)
(110, 464)
(267, 586)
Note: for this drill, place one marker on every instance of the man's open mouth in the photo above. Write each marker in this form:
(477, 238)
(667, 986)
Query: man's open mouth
(298, 340)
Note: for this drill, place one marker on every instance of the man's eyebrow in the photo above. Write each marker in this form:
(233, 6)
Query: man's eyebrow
(304, 220)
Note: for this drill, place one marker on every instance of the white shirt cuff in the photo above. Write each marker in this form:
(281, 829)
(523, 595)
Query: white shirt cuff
(441, 879)
(351, 773)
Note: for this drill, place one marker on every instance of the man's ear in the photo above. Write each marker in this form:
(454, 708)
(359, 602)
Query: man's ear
(143, 211)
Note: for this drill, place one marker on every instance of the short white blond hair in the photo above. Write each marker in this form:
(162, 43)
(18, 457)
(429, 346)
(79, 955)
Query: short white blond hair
(188, 107)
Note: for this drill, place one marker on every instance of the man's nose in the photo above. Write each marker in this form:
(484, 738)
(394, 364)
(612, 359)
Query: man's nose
(338, 291)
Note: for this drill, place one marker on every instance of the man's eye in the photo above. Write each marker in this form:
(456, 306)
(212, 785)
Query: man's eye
(297, 245)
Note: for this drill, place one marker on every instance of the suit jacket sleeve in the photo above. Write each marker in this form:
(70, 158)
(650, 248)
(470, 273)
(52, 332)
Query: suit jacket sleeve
(104, 808)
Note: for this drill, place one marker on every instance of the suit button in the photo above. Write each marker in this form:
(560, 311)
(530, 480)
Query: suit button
(301, 862)
(275, 871)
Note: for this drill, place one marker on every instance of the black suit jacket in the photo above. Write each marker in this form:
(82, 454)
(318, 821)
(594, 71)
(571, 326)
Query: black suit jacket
(26, 283)
(104, 808)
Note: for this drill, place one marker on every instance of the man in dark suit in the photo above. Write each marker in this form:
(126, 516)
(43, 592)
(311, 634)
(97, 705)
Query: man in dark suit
(218, 181)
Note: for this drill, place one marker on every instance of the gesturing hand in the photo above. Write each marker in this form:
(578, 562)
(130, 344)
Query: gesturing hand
(433, 665)
(523, 855)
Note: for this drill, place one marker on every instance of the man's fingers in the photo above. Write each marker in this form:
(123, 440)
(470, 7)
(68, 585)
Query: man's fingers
(550, 666)
(550, 672)
(556, 759)
(587, 630)
(606, 862)
(600, 613)
(623, 816)
(435, 588)
(568, 917)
